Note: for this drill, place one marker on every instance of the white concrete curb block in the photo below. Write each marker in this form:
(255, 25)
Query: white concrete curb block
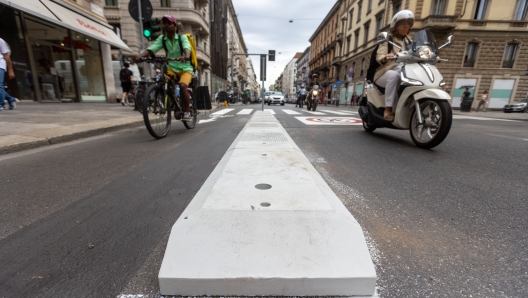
(293, 239)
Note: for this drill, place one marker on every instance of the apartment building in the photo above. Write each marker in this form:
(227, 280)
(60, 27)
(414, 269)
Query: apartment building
(192, 16)
(303, 69)
(289, 87)
(324, 45)
(487, 54)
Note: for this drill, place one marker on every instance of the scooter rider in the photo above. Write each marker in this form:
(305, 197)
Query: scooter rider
(388, 73)
(301, 97)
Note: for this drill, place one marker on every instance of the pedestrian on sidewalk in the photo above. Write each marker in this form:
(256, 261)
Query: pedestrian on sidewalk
(6, 65)
(483, 101)
(355, 98)
(126, 76)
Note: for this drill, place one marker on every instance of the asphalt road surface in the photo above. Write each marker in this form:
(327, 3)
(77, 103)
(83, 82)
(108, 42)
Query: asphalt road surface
(91, 218)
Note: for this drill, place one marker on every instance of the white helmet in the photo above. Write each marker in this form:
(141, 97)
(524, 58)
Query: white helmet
(402, 15)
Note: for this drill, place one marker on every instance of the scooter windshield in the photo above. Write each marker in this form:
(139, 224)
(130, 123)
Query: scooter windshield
(423, 44)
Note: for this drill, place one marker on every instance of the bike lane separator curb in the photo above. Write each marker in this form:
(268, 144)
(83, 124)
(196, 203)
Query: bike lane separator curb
(265, 223)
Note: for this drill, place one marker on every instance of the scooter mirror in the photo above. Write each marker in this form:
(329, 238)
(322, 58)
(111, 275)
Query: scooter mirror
(382, 37)
(448, 43)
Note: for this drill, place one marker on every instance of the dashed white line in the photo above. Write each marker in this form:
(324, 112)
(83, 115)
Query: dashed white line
(339, 113)
(245, 112)
(223, 112)
(291, 112)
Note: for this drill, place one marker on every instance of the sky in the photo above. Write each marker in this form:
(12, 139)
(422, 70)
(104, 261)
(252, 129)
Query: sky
(265, 25)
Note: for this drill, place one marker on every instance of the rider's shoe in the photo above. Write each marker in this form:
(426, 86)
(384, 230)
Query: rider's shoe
(186, 117)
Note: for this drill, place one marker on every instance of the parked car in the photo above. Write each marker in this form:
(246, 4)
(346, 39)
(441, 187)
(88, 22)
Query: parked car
(274, 97)
(519, 106)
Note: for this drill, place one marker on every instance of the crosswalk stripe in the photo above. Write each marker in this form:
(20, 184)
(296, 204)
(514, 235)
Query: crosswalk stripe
(245, 112)
(316, 113)
(291, 112)
(222, 112)
(339, 113)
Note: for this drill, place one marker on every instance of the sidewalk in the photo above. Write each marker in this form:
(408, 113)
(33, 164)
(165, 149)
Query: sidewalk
(33, 125)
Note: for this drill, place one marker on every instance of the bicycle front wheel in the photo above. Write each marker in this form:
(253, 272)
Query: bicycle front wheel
(156, 112)
(194, 113)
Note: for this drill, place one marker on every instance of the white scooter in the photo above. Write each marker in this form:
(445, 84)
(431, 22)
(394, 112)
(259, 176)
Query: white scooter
(422, 106)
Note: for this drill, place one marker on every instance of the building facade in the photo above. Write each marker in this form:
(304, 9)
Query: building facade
(192, 16)
(289, 75)
(61, 50)
(303, 69)
(324, 44)
(487, 53)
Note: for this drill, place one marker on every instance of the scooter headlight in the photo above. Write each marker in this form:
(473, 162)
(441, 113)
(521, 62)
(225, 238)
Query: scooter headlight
(425, 52)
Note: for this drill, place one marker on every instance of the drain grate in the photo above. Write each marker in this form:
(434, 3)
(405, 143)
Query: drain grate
(263, 125)
(264, 137)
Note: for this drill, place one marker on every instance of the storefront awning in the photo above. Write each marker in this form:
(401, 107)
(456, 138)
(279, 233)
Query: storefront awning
(64, 17)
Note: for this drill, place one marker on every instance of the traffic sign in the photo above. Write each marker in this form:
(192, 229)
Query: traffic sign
(146, 10)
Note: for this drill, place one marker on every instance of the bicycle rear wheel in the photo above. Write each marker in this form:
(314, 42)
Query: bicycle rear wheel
(156, 112)
(138, 99)
(129, 99)
(194, 112)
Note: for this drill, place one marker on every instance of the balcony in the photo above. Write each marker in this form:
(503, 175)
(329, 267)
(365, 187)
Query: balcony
(339, 38)
(336, 61)
(112, 13)
(439, 22)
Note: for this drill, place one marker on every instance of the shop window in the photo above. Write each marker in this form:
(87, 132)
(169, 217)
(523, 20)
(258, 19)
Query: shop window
(89, 66)
(471, 54)
(480, 11)
(11, 32)
(509, 55)
(520, 12)
(438, 7)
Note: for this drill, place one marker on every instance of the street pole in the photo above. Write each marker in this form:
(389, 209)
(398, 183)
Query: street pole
(141, 36)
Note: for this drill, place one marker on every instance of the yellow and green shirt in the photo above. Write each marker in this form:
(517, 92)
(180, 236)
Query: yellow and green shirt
(174, 51)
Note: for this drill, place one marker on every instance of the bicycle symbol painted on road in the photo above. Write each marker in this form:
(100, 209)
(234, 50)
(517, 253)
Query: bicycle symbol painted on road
(330, 120)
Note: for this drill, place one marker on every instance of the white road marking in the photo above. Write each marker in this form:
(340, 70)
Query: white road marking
(222, 112)
(330, 120)
(291, 112)
(339, 112)
(205, 121)
(481, 118)
(245, 112)
(315, 113)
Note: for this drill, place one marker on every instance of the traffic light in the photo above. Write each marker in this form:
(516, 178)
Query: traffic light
(271, 55)
(151, 29)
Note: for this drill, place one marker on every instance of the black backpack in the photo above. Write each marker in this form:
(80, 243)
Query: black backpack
(371, 71)
(124, 75)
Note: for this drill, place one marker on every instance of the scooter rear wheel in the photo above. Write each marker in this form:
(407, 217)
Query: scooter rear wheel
(438, 117)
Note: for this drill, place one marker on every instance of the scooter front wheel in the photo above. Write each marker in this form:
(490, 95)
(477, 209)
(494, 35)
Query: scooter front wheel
(437, 119)
(368, 127)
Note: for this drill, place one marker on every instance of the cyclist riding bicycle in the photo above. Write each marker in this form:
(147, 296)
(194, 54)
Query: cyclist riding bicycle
(181, 68)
